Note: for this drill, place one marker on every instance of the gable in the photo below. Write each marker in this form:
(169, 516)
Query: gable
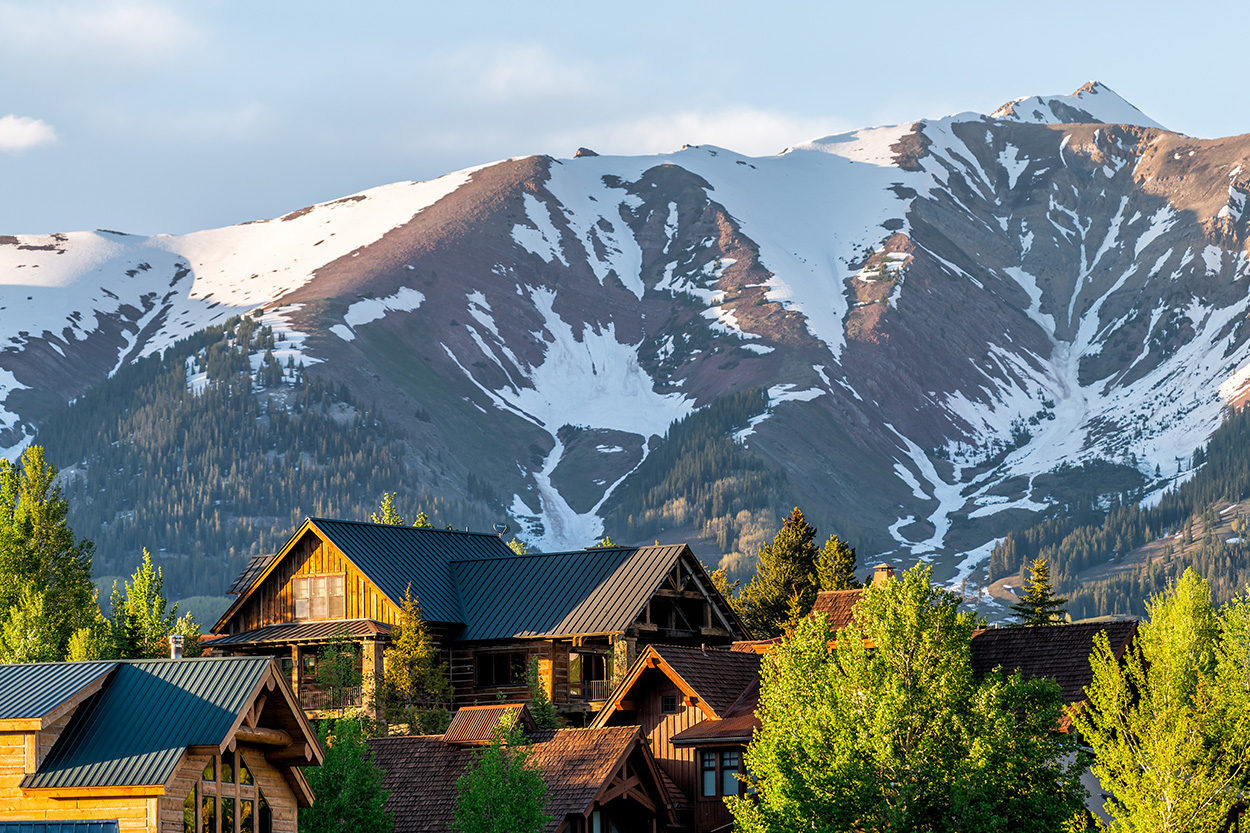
(712, 680)
(135, 730)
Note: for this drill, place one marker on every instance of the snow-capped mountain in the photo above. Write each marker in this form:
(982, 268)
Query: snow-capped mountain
(948, 314)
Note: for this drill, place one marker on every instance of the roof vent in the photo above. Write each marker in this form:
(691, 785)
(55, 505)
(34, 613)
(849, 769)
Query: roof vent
(175, 646)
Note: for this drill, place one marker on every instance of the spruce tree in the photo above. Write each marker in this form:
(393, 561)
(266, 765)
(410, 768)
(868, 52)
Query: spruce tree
(786, 579)
(836, 565)
(415, 690)
(1039, 605)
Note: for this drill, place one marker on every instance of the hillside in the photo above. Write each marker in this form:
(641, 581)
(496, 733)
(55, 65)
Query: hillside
(952, 327)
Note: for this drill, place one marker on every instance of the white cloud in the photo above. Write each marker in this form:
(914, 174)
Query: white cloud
(512, 72)
(22, 133)
(96, 31)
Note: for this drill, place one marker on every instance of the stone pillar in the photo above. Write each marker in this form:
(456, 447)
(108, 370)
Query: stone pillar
(625, 650)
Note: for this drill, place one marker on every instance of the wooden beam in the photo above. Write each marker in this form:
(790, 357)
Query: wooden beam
(253, 714)
(619, 787)
(295, 753)
(637, 794)
(95, 792)
(263, 736)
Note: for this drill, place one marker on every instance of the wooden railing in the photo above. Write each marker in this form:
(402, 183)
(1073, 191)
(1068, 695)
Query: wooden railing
(316, 699)
(590, 691)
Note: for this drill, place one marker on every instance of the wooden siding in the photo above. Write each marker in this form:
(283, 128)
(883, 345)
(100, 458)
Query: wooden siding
(133, 813)
(679, 762)
(272, 602)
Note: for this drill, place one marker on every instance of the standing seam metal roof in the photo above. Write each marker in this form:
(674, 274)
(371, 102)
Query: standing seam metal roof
(188, 702)
(31, 691)
(395, 556)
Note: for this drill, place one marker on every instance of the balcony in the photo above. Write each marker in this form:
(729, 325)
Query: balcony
(316, 699)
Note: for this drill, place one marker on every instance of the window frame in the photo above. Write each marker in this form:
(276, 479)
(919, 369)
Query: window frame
(318, 597)
(516, 672)
(208, 795)
(718, 756)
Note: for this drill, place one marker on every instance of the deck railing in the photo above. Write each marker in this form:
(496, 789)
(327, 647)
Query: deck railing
(590, 691)
(316, 699)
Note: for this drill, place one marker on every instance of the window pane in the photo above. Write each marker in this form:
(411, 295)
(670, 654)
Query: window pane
(709, 773)
(208, 814)
(264, 815)
(227, 815)
(729, 773)
(668, 704)
(188, 810)
(247, 822)
(227, 767)
(245, 774)
(210, 771)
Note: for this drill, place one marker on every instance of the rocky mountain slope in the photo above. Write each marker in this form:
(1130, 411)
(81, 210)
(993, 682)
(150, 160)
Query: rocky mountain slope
(959, 322)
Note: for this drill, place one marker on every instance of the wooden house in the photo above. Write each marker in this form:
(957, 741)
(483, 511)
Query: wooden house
(598, 780)
(582, 615)
(210, 745)
(696, 710)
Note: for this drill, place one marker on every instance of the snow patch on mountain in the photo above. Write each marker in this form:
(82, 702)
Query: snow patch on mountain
(1094, 102)
(406, 299)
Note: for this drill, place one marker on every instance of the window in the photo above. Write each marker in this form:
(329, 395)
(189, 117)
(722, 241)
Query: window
(237, 805)
(719, 771)
(500, 669)
(319, 597)
(668, 704)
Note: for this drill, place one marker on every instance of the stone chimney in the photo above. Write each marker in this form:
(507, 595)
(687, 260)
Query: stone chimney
(882, 573)
(175, 646)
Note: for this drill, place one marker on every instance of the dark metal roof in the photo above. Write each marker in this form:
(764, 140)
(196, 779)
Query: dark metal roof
(254, 568)
(395, 556)
(31, 691)
(187, 702)
(103, 826)
(477, 724)
(288, 632)
(557, 594)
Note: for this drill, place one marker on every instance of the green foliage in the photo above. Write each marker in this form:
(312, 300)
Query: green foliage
(414, 690)
(518, 546)
(42, 566)
(28, 634)
(891, 732)
(337, 672)
(1039, 605)
(789, 573)
(541, 708)
(142, 620)
(348, 785)
(503, 790)
(387, 514)
(1168, 722)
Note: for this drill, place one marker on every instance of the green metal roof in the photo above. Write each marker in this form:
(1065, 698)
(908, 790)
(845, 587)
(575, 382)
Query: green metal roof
(286, 633)
(31, 691)
(583, 592)
(395, 556)
(134, 731)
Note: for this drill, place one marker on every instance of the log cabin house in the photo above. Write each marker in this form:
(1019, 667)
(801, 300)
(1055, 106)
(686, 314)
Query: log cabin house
(582, 615)
(598, 780)
(209, 745)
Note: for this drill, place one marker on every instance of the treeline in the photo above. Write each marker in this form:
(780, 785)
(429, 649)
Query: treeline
(700, 475)
(207, 472)
(1089, 535)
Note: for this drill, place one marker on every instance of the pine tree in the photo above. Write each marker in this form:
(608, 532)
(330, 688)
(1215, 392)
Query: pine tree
(1039, 605)
(348, 785)
(142, 619)
(502, 791)
(39, 555)
(836, 565)
(387, 514)
(415, 690)
(786, 581)
(541, 708)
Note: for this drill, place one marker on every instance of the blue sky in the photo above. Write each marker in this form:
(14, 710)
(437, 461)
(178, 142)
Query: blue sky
(154, 117)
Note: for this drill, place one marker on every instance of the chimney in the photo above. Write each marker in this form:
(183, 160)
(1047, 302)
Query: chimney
(882, 573)
(175, 646)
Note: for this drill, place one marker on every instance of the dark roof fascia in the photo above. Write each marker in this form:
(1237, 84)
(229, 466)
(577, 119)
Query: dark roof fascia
(264, 574)
(718, 740)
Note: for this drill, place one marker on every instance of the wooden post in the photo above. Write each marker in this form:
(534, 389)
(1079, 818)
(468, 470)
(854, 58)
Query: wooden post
(295, 670)
(372, 669)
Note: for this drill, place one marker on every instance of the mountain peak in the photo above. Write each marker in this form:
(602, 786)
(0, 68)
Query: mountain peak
(1092, 103)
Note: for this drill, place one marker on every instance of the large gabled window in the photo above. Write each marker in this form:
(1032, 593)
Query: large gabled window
(319, 596)
(226, 799)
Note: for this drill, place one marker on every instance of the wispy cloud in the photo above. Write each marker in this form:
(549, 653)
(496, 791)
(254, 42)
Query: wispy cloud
(747, 130)
(99, 31)
(22, 133)
(512, 72)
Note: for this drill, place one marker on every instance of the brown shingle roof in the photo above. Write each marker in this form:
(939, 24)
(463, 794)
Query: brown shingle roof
(1057, 651)
(837, 605)
(737, 726)
(718, 677)
(422, 772)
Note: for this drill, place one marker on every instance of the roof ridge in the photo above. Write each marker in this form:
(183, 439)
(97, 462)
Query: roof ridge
(422, 529)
